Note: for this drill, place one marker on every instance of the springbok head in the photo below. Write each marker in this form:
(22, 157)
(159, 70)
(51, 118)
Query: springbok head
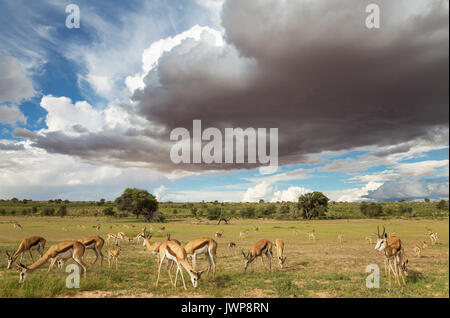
(381, 239)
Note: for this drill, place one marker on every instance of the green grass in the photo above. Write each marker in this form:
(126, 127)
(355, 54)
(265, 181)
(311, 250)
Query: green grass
(313, 269)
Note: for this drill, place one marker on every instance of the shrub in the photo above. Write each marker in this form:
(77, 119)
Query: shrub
(109, 211)
(371, 210)
(62, 211)
(213, 213)
(248, 212)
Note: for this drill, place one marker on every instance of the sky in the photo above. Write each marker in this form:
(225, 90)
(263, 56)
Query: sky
(362, 113)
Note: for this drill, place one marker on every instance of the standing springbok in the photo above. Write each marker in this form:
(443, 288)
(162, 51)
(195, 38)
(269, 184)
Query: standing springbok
(63, 250)
(433, 237)
(218, 234)
(341, 239)
(203, 245)
(279, 244)
(28, 244)
(394, 255)
(113, 254)
(312, 235)
(262, 247)
(111, 236)
(94, 243)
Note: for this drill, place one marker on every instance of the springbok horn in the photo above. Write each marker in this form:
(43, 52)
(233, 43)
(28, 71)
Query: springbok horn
(384, 231)
(378, 230)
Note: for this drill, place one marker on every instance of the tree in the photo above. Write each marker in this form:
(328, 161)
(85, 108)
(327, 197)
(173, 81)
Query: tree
(109, 211)
(442, 205)
(313, 204)
(62, 211)
(427, 200)
(194, 211)
(101, 202)
(139, 202)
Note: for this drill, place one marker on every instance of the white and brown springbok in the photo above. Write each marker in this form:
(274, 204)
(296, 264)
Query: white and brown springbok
(111, 236)
(114, 254)
(433, 237)
(279, 245)
(63, 250)
(28, 244)
(394, 255)
(260, 248)
(177, 254)
(203, 245)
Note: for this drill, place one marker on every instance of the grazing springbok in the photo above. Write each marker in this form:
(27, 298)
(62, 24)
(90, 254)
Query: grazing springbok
(203, 245)
(369, 239)
(17, 226)
(231, 245)
(94, 243)
(394, 255)
(243, 234)
(28, 244)
(177, 254)
(279, 245)
(262, 247)
(173, 240)
(419, 247)
(63, 250)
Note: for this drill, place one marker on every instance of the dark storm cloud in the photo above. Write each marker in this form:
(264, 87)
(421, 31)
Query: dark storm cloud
(313, 70)
(310, 68)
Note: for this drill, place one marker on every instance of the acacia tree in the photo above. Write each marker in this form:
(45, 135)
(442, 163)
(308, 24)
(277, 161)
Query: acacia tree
(139, 202)
(313, 204)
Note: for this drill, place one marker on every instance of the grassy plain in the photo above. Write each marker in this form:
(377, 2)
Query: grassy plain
(313, 269)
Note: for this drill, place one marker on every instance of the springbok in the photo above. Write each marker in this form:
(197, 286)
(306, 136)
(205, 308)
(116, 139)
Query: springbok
(279, 244)
(17, 226)
(394, 255)
(262, 247)
(419, 247)
(218, 234)
(341, 239)
(312, 235)
(63, 250)
(203, 245)
(113, 254)
(177, 254)
(28, 244)
(433, 237)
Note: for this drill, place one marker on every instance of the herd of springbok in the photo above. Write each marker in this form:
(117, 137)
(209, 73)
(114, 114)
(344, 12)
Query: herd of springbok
(184, 257)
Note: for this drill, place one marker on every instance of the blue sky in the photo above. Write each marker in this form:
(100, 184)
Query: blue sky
(82, 110)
